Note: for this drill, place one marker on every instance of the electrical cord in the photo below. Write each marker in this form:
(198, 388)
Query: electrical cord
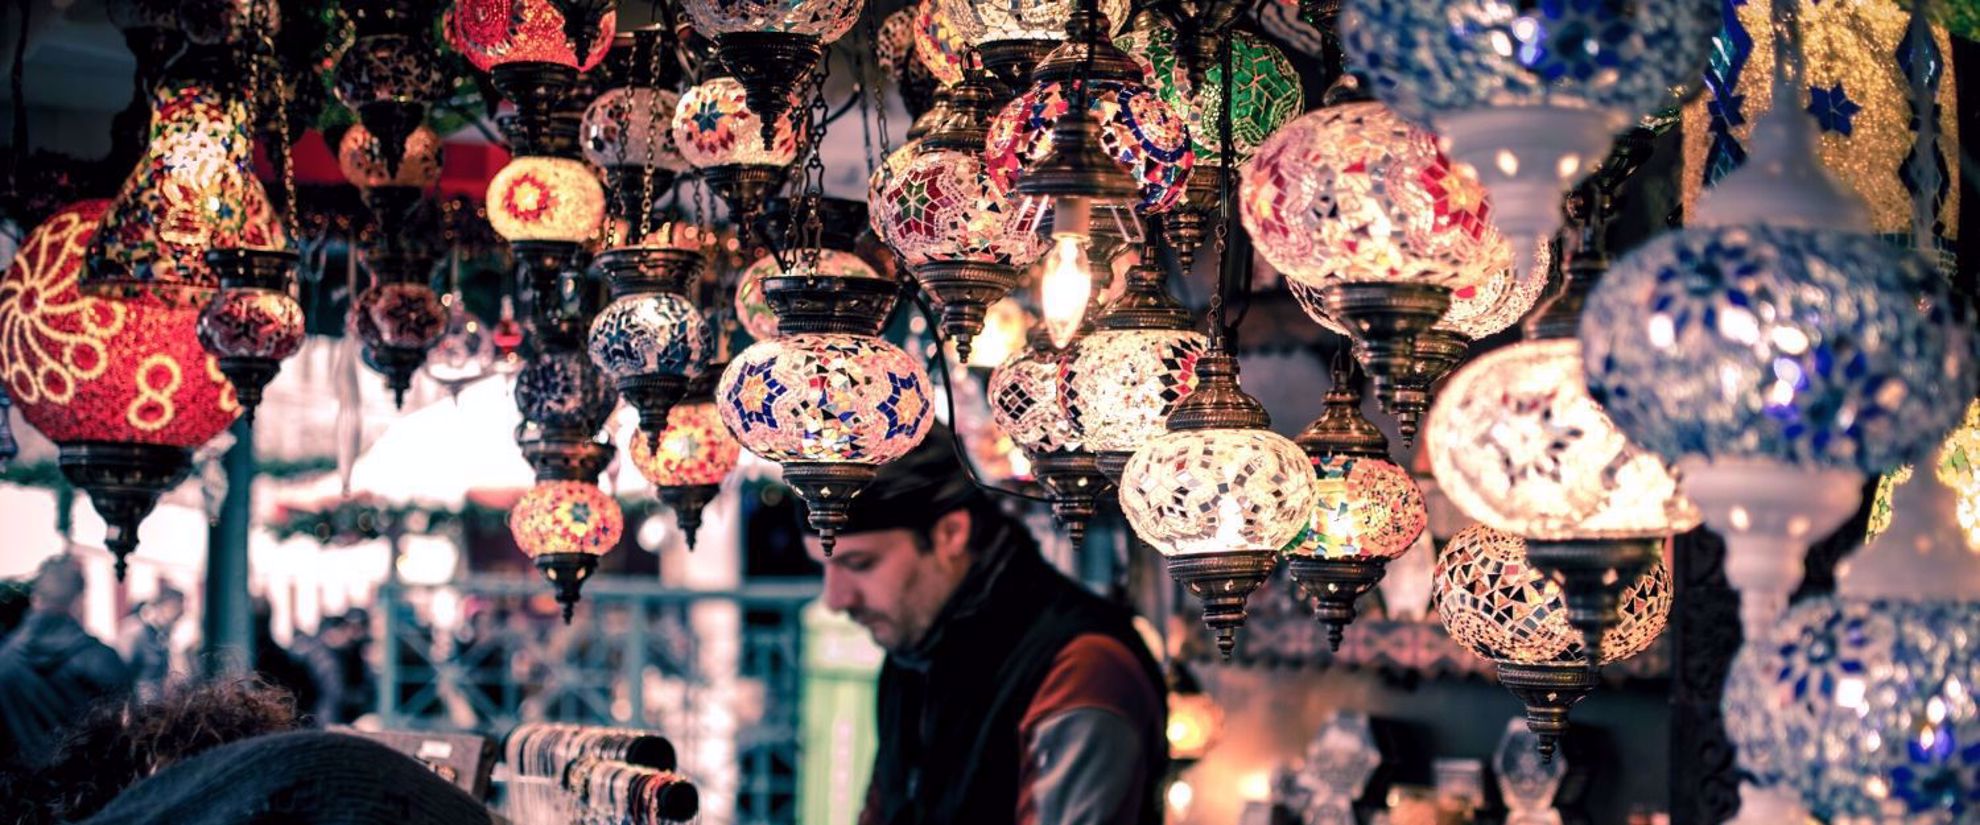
(914, 292)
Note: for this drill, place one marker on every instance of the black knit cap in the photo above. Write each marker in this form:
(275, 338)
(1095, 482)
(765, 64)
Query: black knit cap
(915, 490)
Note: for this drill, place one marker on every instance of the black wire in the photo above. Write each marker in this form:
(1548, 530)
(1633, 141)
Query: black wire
(949, 398)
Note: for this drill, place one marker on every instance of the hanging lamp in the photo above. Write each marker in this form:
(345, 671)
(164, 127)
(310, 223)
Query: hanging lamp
(651, 340)
(1024, 403)
(627, 131)
(950, 221)
(391, 73)
(692, 454)
(1362, 211)
(1500, 607)
(721, 134)
(1527, 97)
(1013, 38)
(828, 399)
(1366, 509)
(1136, 367)
(773, 47)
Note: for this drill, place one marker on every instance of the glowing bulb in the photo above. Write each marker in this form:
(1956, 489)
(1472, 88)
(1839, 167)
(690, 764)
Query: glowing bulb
(1065, 287)
(1180, 795)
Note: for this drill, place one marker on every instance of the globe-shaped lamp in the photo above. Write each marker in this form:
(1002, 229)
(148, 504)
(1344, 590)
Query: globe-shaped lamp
(366, 162)
(1024, 402)
(691, 457)
(718, 132)
(1144, 136)
(564, 526)
(389, 80)
(1013, 37)
(492, 33)
(752, 305)
(538, 198)
(465, 352)
(1121, 382)
(651, 339)
(120, 384)
(254, 322)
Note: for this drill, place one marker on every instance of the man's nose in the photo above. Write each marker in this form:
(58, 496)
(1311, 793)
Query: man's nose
(840, 595)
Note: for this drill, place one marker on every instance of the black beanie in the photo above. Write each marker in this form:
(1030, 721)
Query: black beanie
(912, 492)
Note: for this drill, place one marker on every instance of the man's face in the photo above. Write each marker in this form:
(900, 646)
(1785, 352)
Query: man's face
(891, 585)
(168, 613)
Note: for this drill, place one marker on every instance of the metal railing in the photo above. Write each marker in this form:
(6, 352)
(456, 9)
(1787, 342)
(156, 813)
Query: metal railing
(717, 671)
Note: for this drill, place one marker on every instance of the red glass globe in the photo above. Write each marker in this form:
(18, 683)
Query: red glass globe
(103, 369)
(490, 33)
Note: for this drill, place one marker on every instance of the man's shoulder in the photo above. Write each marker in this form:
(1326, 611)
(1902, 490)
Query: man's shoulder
(1096, 670)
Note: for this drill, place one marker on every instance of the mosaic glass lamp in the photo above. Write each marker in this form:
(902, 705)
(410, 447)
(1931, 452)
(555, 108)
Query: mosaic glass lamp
(254, 322)
(564, 525)
(1024, 402)
(950, 221)
(1218, 494)
(773, 47)
(1012, 38)
(752, 304)
(692, 455)
(540, 198)
(390, 78)
(940, 47)
(120, 384)
(1366, 509)
(465, 352)
(1500, 607)
(628, 133)
(828, 398)
(569, 33)
(651, 340)
(1123, 380)
(367, 162)
(193, 190)
(1355, 204)
(1185, 74)
(720, 134)
(1527, 95)
(1855, 707)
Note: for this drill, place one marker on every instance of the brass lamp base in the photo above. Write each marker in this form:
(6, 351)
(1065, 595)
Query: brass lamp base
(1076, 484)
(1437, 352)
(1011, 61)
(1549, 691)
(1386, 320)
(653, 396)
(687, 502)
(827, 490)
(743, 186)
(963, 291)
(1223, 581)
(1336, 584)
(124, 482)
(568, 573)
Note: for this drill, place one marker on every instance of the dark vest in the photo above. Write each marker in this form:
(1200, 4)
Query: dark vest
(949, 710)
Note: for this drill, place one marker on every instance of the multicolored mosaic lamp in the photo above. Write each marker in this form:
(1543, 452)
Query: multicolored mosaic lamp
(1024, 402)
(1528, 97)
(828, 398)
(1218, 494)
(119, 383)
(773, 47)
(1122, 381)
(1355, 204)
(254, 322)
(950, 221)
(391, 74)
(193, 190)
(752, 304)
(1502, 608)
(1185, 73)
(720, 134)
(692, 455)
(564, 525)
(367, 161)
(1366, 509)
(651, 340)
(628, 133)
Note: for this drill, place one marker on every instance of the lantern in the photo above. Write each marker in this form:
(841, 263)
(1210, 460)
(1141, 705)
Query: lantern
(720, 133)
(564, 526)
(692, 455)
(651, 339)
(545, 199)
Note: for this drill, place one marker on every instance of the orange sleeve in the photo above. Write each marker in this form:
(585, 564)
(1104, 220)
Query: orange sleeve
(1098, 694)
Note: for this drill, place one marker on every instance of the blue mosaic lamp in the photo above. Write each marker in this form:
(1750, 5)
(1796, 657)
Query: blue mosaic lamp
(828, 399)
(1859, 706)
(1528, 94)
(651, 339)
(1778, 351)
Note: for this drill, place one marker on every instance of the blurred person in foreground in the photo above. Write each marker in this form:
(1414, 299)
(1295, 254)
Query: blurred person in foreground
(1010, 694)
(51, 669)
(145, 641)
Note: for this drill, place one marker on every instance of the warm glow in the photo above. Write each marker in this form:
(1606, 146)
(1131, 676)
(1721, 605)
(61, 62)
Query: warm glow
(1003, 333)
(1195, 723)
(557, 517)
(1065, 287)
(546, 199)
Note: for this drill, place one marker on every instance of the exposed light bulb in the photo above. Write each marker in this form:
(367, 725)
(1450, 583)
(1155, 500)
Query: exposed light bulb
(1065, 287)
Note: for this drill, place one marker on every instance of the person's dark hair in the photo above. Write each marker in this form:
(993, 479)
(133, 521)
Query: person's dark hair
(168, 594)
(986, 520)
(120, 743)
(59, 582)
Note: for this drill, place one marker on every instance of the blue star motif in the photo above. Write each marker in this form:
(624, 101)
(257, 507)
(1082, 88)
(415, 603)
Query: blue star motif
(1832, 108)
(906, 406)
(707, 117)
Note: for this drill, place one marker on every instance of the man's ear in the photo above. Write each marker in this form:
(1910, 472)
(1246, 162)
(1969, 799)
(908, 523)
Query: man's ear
(950, 535)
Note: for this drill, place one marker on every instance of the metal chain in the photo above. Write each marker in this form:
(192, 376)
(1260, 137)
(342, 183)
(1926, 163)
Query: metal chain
(814, 172)
(874, 80)
(652, 91)
(259, 17)
(1226, 195)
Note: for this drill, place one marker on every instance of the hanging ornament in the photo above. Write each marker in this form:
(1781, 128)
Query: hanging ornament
(1185, 74)
(950, 221)
(1527, 98)
(1024, 402)
(494, 33)
(828, 398)
(1503, 609)
(752, 304)
(390, 75)
(894, 54)
(120, 384)
(1218, 494)
(539, 198)
(564, 525)
(651, 339)
(1356, 205)
(627, 133)
(940, 47)
(1012, 38)
(465, 352)
(367, 162)
(773, 47)
(193, 190)
(719, 133)
(254, 322)
(1366, 510)
(692, 455)
(1122, 381)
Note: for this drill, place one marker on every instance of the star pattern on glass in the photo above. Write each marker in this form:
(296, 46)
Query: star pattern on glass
(754, 397)
(1833, 109)
(906, 406)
